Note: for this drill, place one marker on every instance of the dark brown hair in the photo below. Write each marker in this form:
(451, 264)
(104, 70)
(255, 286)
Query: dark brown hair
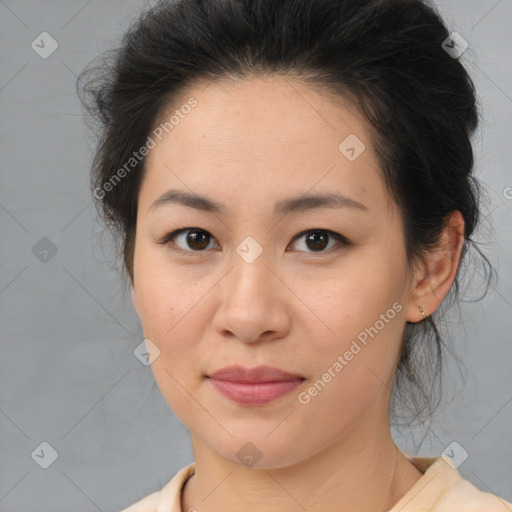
(385, 56)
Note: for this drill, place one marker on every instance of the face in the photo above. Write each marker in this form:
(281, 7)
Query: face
(319, 292)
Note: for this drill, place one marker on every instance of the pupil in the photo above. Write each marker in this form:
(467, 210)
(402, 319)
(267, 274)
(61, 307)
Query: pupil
(194, 237)
(313, 237)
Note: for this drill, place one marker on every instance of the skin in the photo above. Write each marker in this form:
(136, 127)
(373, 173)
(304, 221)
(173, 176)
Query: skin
(248, 144)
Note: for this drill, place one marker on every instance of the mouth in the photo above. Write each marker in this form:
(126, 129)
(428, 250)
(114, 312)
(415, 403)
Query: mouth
(256, 393)
(254, 386)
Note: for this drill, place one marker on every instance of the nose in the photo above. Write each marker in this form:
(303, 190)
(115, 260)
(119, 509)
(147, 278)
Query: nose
(253, 303)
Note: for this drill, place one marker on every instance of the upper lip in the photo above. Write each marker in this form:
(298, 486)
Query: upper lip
(258, 374)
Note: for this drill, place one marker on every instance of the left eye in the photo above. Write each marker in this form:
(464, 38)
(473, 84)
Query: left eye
(318, 239)
(198, 239)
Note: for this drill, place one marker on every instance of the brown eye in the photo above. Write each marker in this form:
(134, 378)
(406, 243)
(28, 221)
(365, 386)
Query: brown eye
(192, 239)
(317, 240)
(195, 240)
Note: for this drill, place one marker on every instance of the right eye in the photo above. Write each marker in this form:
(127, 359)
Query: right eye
(197, 239)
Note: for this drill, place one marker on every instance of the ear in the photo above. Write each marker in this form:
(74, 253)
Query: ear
(433, 280)
(134, 298)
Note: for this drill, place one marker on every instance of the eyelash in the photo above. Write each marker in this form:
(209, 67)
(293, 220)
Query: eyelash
(336, 236)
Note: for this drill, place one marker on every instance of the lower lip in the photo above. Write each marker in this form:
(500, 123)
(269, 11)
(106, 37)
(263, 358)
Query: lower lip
(254, 394)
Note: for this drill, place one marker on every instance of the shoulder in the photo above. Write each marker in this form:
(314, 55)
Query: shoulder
(168, 498)
(472, 499)
(443, 489)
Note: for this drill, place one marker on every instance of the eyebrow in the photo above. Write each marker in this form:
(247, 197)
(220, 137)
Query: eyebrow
(296, 204)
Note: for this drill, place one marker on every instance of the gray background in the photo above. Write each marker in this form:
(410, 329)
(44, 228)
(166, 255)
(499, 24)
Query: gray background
(68, 373)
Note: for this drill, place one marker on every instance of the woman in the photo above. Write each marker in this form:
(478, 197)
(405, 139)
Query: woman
(290, 184)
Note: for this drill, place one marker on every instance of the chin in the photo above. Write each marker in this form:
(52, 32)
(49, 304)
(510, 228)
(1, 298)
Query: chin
(259, 451)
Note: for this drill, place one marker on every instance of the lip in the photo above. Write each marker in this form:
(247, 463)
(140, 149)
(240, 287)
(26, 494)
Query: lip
(254, 386)
(256, 375)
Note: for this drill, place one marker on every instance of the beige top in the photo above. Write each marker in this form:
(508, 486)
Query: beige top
(440, 489)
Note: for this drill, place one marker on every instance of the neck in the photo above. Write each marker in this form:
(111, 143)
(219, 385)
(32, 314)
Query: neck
(359, 472)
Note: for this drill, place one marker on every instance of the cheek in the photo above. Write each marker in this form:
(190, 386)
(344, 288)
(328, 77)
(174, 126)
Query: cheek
(170, 312)
(359, 336)
(164, 294)
(353, 361)
(346, 300)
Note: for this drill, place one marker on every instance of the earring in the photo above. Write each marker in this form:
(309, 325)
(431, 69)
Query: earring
(421, 311)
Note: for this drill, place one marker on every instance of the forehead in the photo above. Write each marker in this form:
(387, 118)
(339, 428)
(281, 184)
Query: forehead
(274, 110)
(264, 134)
